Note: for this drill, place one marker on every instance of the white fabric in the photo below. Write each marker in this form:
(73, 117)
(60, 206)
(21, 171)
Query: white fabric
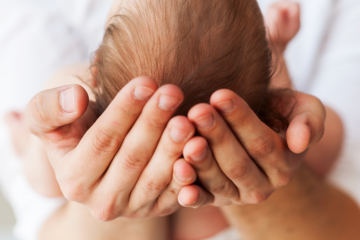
(324, 60)
(228, 234)
(38, 37)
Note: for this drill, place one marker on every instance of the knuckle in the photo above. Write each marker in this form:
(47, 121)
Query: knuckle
(152, 185)
(240, 170)
(128, 111)
(155, 124)
(105, 141)
(173, 193)
(222, 189)
(256, 197)
(261, 147)
(282, 179)
(75, 191)
(133, 160)
(170, 151)
(104, 212)
(219, 138)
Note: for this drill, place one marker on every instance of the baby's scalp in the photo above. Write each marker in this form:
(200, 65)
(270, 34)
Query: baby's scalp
(200, 46)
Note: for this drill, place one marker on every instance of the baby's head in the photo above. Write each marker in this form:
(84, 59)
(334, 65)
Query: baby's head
(199, 45)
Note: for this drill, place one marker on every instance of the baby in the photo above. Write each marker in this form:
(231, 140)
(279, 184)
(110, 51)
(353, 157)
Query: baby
(200, 46)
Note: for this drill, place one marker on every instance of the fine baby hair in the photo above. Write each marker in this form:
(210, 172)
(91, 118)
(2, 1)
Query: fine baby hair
(199, 45)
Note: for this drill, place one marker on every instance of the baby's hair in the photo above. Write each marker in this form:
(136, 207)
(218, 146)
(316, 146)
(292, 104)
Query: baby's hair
(199, 45)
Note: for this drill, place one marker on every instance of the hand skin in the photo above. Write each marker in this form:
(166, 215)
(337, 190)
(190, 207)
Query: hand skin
(307, 208)
(248, 161)
(129, 187)
(267, 220)
(206, 198)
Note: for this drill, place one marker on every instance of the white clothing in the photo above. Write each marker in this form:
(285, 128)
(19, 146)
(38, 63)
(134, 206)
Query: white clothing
(228, 234)
(324, 60)
(38, 37)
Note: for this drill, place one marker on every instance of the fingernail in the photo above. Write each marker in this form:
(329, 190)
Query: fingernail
(143, 93)
(226, 106)
(168, 103)
(197, 157)
(178, 135)
(182, 178)
(67, 100)
(205, 122)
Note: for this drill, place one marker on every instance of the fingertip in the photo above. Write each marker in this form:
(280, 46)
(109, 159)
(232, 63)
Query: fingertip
(200, 110)
(298, 136)
(171, 89)
(182, 123)
(81, 99)
(221, 96)
(195, 149)
(188, 195)
(145, 81)
(184, 172)
(56, 107)
(142, 88)
(180, 129)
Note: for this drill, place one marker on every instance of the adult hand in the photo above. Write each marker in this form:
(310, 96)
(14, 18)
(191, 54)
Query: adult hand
(121, 165)
(245, 160)
(238, 159)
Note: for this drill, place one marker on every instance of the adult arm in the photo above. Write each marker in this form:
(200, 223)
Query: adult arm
(307, 208)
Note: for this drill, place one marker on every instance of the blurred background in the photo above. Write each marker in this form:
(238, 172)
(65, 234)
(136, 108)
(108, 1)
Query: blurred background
(37, 38)
(7, 220)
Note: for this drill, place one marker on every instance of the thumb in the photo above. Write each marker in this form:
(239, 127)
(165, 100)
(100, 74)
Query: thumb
(307, 122)
(51, 109)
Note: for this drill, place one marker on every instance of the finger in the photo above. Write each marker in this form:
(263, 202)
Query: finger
(262, 144)
(306, 123)
(158, 173)
(195, 197)
(197, 153)
(183, 175)
(56, 107)
(101, 142)
(233, 160)
(140, 143)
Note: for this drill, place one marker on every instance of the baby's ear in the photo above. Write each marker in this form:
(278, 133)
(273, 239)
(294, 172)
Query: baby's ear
(94, 71)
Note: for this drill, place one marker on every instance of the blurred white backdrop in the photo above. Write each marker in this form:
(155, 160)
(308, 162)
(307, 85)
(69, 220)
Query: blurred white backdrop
(7, 220)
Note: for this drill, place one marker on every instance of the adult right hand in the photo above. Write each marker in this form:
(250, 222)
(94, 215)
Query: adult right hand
(238, 159)
(122, 163)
